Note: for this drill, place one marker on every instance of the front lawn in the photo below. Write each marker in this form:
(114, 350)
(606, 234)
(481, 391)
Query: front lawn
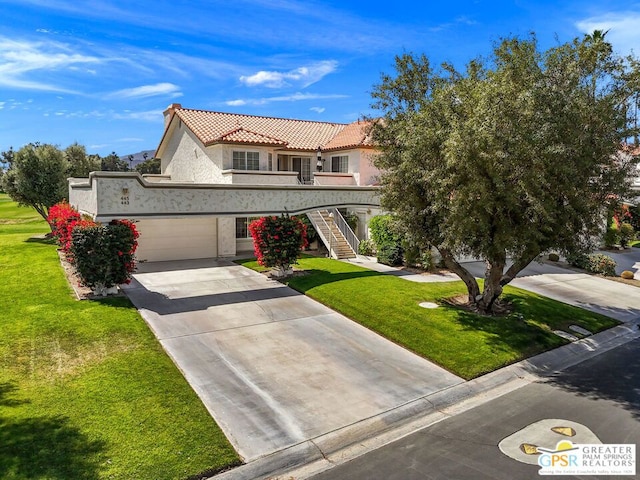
(464, 343)
(86, 391)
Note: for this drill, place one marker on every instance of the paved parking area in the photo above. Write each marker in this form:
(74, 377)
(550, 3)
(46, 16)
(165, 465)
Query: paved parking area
(273, 367)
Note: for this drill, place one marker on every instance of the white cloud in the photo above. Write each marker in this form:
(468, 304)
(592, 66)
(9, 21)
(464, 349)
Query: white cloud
(147, 116)
(317, 109)
(304, 76)
(164, 89)
(296, 97)
(22, 60)
(624, 33)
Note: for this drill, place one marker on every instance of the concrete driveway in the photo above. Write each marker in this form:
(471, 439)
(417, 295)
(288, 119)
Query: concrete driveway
(272, 366)
(608, 297)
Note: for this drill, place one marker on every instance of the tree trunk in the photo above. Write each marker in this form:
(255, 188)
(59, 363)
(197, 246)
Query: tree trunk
(492, 287)
(469, 280)
(495, 279)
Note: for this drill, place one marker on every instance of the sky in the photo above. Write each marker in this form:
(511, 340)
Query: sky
(101, 72)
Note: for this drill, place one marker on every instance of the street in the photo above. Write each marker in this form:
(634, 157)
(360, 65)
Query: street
(602, 395)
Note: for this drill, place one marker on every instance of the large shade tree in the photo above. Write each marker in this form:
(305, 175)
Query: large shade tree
(37, 177)
(514, 156)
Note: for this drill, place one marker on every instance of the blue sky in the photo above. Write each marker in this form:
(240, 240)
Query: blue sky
(100, 72)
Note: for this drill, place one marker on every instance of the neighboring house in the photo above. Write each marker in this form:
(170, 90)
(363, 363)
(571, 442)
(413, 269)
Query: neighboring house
(218, 170)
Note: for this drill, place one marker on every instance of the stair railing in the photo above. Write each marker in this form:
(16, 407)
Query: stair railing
(346, 230)
(325, 232)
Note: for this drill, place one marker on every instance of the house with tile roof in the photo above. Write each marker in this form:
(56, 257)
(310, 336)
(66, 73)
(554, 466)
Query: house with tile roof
(220, 170)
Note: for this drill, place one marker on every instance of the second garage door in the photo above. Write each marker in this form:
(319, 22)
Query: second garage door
(176, 239)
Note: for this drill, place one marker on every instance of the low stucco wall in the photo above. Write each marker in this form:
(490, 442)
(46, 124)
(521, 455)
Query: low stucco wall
(107, 195)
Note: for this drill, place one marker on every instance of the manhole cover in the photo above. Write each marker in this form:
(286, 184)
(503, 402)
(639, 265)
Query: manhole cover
(428, 305)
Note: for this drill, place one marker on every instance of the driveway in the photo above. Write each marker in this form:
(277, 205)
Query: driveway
(607, 297)
(273, 367)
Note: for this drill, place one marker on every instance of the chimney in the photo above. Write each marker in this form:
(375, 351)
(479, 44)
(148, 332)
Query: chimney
(168, 113)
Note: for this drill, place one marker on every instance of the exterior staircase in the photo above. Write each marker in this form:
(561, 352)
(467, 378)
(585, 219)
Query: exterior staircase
(330, 231)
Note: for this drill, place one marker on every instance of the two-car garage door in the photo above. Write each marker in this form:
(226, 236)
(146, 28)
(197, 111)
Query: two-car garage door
(176, 239)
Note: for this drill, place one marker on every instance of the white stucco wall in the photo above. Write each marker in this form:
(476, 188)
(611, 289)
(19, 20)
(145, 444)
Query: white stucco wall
(226, 236)
(369, 174)
(82, 197)
(186, 159)
(360, 164)
(326, 178)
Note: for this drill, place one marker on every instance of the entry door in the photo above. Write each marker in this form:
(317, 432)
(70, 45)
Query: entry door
(302, 165)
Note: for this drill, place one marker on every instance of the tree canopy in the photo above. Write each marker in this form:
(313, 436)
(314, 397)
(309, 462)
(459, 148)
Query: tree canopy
(37, 177)
(80, 164)
(149, 166)
(514, 156)
(113, 163)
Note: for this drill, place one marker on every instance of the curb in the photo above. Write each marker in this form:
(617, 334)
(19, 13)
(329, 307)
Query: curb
(323, 452)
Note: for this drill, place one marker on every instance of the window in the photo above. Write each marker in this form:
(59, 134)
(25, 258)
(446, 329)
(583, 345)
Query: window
(242, 226)
(340, 164)
(246, 160)
(270, 165)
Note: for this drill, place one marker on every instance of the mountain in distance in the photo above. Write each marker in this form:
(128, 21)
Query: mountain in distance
(138, 157)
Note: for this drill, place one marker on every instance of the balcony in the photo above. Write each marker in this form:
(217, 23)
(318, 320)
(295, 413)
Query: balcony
(259, 177)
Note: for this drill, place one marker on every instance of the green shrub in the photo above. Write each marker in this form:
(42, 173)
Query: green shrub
(426, 260)
(383, 231)
(626, 234)
(387, 240)
(554, 257)
(611, 236)
(411, 254)
(352, 221)
(579, 260)
(104, 255)
(366, 247)
(602, 264)
(594, 263)
(390, 254)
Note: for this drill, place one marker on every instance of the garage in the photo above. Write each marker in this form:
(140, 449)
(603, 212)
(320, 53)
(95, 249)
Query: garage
(176, 239)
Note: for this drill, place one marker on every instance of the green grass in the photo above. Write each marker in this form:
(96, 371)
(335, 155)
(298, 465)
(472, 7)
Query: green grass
(86, 391)
(464, 343)
(634, 243)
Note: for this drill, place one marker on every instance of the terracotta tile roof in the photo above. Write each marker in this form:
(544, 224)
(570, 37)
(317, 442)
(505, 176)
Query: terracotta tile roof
(290, 134)
(242, 135)
(352, 135)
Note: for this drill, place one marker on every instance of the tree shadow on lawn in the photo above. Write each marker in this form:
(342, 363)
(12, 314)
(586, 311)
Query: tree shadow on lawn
(45, 446)
(510, 335)
(43, 240)
(316, 277)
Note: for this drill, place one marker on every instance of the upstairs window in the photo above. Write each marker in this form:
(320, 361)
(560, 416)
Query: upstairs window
(340, 164)
(246, 161)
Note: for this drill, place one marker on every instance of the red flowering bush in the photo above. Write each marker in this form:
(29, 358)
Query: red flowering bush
(62, 217)
(104, 255)
(278, 241)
